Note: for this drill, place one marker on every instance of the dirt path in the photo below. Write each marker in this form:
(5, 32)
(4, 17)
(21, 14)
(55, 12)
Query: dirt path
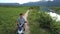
(27, 27)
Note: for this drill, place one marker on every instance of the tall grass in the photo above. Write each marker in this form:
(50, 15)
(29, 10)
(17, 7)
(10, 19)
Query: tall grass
(8, 16)
(42, 23)
(34, 17)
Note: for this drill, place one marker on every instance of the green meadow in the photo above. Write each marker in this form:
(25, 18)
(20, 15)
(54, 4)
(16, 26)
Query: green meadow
(39, 22)
(8, 16)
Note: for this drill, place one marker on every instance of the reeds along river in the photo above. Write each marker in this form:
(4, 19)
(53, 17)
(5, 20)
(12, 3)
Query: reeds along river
(54, 16)
(51, 13)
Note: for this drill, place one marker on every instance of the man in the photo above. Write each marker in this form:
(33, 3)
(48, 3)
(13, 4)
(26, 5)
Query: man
(20, 23)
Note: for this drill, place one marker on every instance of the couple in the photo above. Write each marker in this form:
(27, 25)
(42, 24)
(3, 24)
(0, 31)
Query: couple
(20, 23)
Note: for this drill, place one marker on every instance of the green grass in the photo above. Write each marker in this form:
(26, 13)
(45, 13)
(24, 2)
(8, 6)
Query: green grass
(34, 24)
(36, 18)
(56, 9)
(8, 16)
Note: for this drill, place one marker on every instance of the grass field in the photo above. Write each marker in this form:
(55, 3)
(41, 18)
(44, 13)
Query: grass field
(8, 16)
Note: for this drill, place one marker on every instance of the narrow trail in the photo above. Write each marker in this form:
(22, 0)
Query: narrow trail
(27, 27)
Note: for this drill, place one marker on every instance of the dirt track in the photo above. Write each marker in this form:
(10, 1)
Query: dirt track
(27, 27)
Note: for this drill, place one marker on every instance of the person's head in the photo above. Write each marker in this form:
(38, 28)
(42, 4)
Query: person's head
(21, 15)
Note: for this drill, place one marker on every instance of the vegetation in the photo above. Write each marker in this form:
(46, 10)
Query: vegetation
(34, 18)
(39, 22)
(56, 9)
(42, 23)
(8, 16)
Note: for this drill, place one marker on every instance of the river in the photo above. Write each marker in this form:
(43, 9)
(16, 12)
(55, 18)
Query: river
(51, 13)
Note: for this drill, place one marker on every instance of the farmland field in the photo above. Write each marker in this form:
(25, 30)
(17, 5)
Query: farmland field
(39, 22)
(8, 16)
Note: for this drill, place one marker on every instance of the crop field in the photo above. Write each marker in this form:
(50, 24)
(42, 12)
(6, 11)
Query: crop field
(39, 22)
(8, 16)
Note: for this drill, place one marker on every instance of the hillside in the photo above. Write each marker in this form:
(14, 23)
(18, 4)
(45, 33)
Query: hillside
(9, 4)
(39, 3)
(43, 3)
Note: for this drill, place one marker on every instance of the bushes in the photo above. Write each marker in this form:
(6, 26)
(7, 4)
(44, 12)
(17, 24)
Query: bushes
(55, 28)
(45, 20)
(56, 9)
(34, 23)
(42, 23)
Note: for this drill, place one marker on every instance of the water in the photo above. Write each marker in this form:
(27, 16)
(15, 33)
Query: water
(51, 12)
(54, 16)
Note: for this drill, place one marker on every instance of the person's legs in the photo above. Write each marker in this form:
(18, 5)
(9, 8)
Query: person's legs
(24, 26)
